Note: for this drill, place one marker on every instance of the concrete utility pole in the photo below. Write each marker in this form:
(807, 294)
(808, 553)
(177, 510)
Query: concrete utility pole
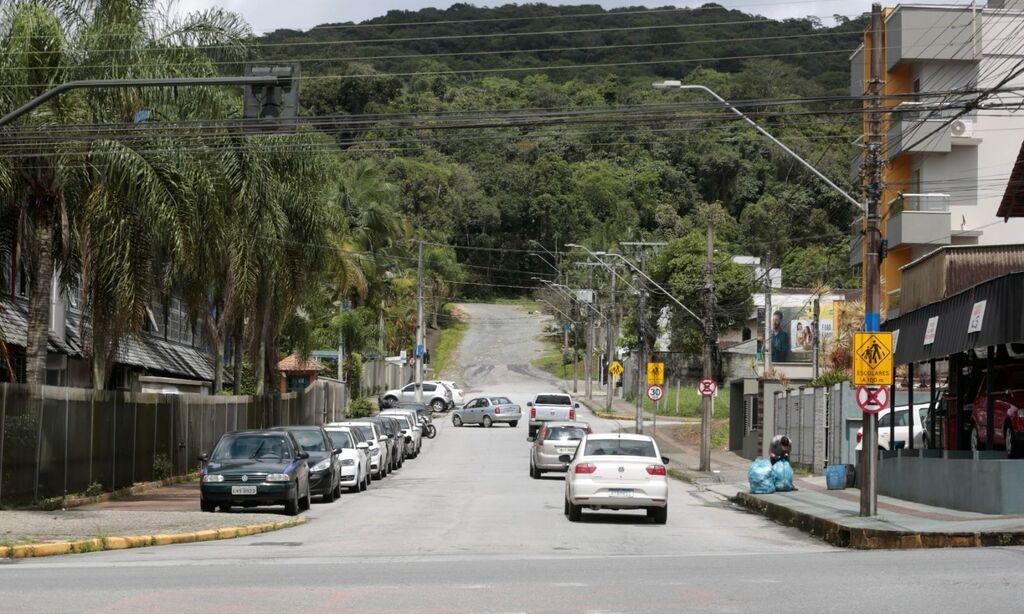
(420, 333)
(709, 341)
(588, 360)
(610, 343)
(640, 362)
(816, 329)
(872, 262)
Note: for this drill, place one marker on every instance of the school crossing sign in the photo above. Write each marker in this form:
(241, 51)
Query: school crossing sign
(872, 359)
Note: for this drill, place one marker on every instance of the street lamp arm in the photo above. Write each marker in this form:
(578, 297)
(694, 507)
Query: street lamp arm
(546, 261)
(565, 290)
(122, 83)
(658, 286)
(805, 163)
(552, 305)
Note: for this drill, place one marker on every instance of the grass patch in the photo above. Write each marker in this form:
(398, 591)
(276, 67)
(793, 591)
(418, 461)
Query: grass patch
(689, 433)
(447, 343)
(682, 476)
(685, 401)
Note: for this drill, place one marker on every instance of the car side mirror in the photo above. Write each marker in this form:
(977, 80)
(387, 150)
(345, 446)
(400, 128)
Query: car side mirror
(203, 458)
(575, 405)
(565, 458)
(666, 460)
(336, 451)
(362, 446)
(303, 455)
(529, 403)
(383, 438)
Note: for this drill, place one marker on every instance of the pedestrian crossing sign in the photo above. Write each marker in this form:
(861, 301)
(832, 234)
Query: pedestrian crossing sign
(615, 368)
(655, 373)
(872, 359)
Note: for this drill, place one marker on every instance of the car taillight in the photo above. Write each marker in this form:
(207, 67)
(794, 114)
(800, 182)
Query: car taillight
(533, 412)
(539, 443)
(572, 414)
(656, 469)
(497, 410)
(860, 435)
(590, 431)
(586, 468)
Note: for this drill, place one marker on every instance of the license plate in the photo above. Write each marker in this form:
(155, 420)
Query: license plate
(620, 492)
(243, 490)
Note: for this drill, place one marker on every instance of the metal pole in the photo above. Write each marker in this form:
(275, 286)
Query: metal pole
(420, 343)
(640, 355)
(910, 405)
(932, 443)
(588, 358)
(990, 402)
(872, 273)
(610, 346)
(816, 328)
(709, 316)
(892, 415)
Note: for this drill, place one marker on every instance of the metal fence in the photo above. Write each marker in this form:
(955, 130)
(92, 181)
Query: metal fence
(56, 441)
(801, 414)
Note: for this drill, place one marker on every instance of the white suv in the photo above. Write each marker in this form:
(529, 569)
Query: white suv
(435, 394)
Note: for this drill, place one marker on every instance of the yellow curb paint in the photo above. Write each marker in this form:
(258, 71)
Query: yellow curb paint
(138, 541)
(116, 543)
(227, 533)
(207, 535)
(50, 549)
(163, 540)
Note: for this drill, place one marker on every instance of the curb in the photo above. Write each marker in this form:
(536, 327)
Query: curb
(874, 539)
(56, 503)
(141, 541)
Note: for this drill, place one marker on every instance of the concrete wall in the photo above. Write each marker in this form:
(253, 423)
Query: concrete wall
(954, 480)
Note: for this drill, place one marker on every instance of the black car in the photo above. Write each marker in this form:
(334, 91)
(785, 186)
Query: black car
(396, 442)
(324, 466)
(251, 468)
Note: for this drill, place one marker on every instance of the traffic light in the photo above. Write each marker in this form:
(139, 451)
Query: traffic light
(275, 104)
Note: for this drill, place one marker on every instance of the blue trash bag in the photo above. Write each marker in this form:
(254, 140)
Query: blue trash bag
(783, 473)
(761, 476)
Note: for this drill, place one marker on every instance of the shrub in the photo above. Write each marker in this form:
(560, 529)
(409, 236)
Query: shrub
(829, 379)
(359, 408)
(161, 467)
(94, 490)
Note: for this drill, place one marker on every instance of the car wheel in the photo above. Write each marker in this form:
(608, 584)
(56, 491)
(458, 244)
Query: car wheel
(457, 421)
(658, 514)
(438, 405)
(328, 496)
(514, 423)
(1012, 449)
(487, 422)
(532, 433)
(291, 507)
(390, 402)
(207, 506)
(976, 444)
(337, 489)
(225, 507)
(575, 511)
(565, 509)
(306, 502)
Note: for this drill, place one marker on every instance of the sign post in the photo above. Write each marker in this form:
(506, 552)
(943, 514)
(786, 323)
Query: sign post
(872, 374)
(707, 387)
(655, 393)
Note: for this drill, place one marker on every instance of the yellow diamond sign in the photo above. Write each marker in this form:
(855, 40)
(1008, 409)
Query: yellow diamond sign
(872, 359)
(615, 368)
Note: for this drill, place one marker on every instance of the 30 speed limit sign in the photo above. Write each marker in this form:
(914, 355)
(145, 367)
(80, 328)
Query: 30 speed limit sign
(655, 393)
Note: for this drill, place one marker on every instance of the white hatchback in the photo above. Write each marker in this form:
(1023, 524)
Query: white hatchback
(617, 471)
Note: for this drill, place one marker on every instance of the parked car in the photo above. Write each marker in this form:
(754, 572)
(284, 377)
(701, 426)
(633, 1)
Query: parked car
(354, 457)
(458, 395)
(435, 394)
(379, 448)
(488, 411)
(411, 433)
(553, 440)
(617, 471)
(395, 442)
(552, 407)
(251, 468)
(324, 466)
(902, 414)
(1008, 411)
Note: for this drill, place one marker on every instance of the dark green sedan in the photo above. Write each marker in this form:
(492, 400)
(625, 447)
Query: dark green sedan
(252, 468)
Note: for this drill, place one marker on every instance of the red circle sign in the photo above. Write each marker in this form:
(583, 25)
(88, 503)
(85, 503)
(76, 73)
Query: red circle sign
(655, 393)
(872, 399)
(707, 387)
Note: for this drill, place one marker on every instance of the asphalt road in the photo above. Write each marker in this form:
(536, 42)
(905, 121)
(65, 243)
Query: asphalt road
(464, 529)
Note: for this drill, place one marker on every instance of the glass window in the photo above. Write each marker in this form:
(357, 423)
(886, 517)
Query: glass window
(552, 399)
(341, 439)
(429, 387)
(565, 433)
(245, 447)
(885, 420)
(403, 421)
(409, 388)
(620, 447)
(310, 441)
(501, 401)
(366, 432)
(902, 418)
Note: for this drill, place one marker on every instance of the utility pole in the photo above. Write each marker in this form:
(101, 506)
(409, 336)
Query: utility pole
(816, 330)
(640, 365)
(610, 345)
(420, 333)
(872, 273)
(588, 359)
(709, 340)
(341, 355)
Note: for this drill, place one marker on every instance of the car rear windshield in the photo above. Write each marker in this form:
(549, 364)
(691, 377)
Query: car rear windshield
(403, 421)
(311, 441)
(367, 431)
(619, 447)
(252, 447)
(341, 439)
(563, 433)
(500, 401)
(552, 399)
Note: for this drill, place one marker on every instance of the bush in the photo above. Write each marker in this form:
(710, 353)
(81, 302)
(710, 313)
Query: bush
(161, 467)
(359, 408)
(829, 379)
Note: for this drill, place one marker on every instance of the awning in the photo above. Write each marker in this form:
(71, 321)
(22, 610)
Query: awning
(990, 313)
(1012, 204)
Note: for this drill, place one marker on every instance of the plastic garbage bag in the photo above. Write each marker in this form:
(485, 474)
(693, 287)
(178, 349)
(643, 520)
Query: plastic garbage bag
(783, 473)
(761, 477)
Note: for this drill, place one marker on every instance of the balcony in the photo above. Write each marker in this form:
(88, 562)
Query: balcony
(905, 133)
(918, 219)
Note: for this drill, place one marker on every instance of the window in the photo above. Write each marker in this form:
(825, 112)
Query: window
(565, 433)
(885, 421)
(341, 439)
(429, 387)
(501, 401)
(620, 447)
(552, 399)
(409, 388)
(310, 441)
(264, 447)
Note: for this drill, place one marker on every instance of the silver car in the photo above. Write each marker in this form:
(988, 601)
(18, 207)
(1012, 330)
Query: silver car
(488, 411)
(555, 439)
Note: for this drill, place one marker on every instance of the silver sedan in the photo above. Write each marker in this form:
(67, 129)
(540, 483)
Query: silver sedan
(488, 411)
(555, 439)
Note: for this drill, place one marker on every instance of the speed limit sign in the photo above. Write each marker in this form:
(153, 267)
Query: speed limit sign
(655, 393)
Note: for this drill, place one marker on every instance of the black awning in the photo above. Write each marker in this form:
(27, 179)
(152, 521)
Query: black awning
(1003, 321)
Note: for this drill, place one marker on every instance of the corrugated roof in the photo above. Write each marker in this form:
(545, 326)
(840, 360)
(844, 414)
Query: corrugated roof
(953, 268)
(1012, 204)
(297, 363)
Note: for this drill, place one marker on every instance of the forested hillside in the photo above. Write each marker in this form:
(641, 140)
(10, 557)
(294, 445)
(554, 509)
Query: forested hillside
(491, 143)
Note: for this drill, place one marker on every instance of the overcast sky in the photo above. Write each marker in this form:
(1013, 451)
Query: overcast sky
(268, 15)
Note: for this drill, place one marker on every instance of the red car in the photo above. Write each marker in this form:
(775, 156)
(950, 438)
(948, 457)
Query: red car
(1008, 396)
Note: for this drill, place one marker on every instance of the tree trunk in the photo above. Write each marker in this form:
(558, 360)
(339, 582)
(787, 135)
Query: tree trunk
(238, 359)
(261, 363)
(218, 365)
(39, 305)
(437, 306)
(99, 369)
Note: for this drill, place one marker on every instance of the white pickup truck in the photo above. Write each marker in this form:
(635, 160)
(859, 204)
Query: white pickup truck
(551, 407)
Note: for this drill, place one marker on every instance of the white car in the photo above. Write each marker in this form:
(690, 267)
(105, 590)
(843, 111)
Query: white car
(354, 457)
(410, 429)
(458, 395)
(379, 459)
(617, 471)
(435, 394)
(902, 430)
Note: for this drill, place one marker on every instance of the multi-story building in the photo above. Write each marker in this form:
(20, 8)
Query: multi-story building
(943, 177)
